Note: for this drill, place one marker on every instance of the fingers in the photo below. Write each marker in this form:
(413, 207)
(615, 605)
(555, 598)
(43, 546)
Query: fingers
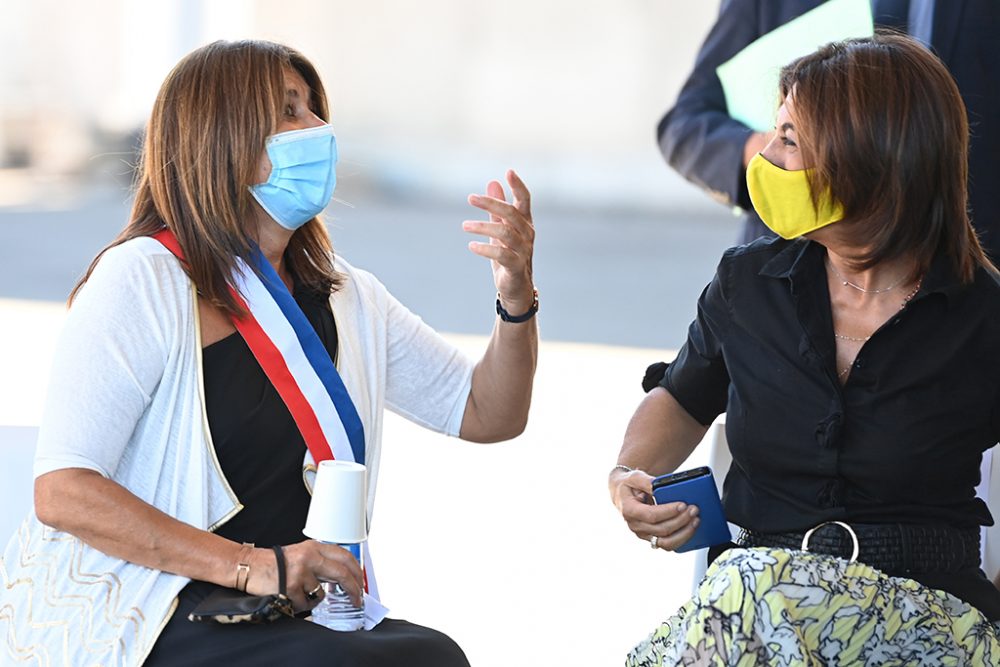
(509, 225)
(675, 522)
(633, 485)
(313, 589)
(634, 510)
(501, 210)
(310, 562)
(340, 566)
(511, 243)
(517, 213)
(505, 234)
(522, 198)
(338, 557)
(495, 190)
(675, 540)
(639, 481)
(510, 246)
(672, 524)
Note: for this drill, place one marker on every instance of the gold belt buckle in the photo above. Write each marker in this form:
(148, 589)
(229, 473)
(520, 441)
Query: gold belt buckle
(850, 531)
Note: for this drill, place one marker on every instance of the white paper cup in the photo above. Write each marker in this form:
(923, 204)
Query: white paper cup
(337, 511)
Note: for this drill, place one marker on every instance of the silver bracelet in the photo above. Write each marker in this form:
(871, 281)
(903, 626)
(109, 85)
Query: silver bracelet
(622, 466)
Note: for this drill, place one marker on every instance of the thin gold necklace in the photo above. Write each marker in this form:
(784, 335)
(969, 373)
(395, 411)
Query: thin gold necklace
(847, 283)
(851, 338)
(906, 300)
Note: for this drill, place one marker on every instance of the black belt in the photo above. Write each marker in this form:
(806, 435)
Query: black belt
(896, 549)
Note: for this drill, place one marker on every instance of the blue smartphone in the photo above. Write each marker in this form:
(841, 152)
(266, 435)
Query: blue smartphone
(695, 487)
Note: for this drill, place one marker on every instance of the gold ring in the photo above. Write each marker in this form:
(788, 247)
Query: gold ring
(314, 593)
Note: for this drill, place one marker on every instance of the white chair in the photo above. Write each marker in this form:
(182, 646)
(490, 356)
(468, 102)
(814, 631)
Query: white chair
(719, 460)
(17, 454)
(989, 490)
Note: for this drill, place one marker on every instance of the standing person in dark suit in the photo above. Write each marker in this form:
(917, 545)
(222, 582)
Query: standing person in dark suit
(707, 147)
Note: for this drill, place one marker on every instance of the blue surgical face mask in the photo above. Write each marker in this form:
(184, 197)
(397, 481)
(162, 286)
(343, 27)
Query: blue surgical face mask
(303, 175)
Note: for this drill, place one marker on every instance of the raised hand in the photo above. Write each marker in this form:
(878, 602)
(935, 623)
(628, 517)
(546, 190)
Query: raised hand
(511, 241)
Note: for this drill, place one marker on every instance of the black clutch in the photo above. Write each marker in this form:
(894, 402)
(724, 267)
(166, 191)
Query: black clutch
(226, 605)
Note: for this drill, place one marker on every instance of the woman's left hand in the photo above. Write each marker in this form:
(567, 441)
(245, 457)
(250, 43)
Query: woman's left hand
(512, 241)
(672, 524)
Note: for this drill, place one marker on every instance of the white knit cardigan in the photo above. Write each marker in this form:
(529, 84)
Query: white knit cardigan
(126, 400)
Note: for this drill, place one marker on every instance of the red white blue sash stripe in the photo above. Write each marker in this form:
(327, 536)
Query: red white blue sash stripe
(297, 363)
(274, 313)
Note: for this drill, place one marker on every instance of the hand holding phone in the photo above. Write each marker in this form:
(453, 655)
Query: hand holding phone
(695, 487)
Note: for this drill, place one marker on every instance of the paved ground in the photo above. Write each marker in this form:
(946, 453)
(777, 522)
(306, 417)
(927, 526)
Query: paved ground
(607, 276)
(513, 549)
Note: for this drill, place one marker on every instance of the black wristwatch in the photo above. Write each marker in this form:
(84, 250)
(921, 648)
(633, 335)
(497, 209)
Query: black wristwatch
(507, 317)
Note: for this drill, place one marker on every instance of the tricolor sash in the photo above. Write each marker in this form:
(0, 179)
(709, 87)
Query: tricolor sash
(296, 362)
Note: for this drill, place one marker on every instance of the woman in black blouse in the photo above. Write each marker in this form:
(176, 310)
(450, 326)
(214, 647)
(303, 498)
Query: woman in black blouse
(856, 361)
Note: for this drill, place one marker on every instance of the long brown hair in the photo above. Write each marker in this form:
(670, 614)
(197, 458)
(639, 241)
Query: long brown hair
(201, 150)
(884, 128)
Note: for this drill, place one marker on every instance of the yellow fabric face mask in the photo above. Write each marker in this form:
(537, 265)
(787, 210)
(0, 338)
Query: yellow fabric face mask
(783, 202)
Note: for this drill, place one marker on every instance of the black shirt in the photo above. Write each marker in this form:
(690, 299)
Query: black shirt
(259, 447)
(900, 442)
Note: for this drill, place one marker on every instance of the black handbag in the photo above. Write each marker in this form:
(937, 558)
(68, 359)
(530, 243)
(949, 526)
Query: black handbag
(226, 605)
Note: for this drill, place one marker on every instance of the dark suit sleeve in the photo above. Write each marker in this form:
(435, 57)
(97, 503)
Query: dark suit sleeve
(967, 37)
(697, 136)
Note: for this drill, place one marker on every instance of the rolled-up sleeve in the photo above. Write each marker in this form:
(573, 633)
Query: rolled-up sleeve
(698, 377)
(697, 136)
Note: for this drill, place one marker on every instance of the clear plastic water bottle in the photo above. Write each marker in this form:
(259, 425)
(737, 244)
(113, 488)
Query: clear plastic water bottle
(336, 610)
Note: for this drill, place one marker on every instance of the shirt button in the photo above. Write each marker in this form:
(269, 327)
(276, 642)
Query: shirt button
(828, 430)
(858, 363)
(829, 495)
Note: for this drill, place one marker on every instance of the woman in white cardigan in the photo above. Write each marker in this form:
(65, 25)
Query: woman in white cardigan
(163, 444)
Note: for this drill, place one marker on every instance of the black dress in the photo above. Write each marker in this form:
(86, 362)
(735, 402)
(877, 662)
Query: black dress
(261, 452)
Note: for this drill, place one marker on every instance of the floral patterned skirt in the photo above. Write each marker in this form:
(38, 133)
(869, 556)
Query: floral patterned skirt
(779, 607)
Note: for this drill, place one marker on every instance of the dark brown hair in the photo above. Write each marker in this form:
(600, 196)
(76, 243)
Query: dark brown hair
(885, 131)
(201, 150)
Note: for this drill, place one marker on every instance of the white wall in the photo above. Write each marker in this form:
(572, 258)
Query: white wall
(424, 94)
(571, 90)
